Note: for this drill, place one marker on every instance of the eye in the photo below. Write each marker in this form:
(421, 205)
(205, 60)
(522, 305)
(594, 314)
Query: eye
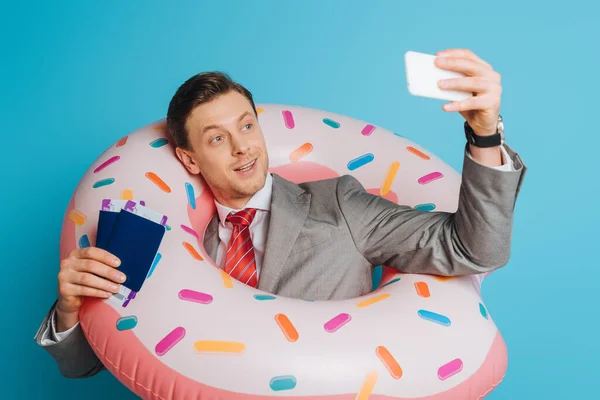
(247, 126)
(216, 139)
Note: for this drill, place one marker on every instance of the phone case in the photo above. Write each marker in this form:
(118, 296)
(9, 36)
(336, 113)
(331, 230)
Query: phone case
(422, 76)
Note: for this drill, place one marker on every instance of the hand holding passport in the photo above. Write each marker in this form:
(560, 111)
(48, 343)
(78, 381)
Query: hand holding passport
(133, 233)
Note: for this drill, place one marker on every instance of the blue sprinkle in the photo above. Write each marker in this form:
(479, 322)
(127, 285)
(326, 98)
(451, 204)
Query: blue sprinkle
(483, 311)
(392, 281)
(104, 182)
(398, 135)
(128, 322)
(84, 241)
(168, 227)
(286, 382)
(331, 123)
(156, 260)
(190, 194)
(360, 161)
(425, 207)
(159, 142)
(434, 317)
(264, 297)
(377, 272)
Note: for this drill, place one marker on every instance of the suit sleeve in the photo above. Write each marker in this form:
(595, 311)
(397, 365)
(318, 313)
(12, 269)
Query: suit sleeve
(474, 239)
(72, 353)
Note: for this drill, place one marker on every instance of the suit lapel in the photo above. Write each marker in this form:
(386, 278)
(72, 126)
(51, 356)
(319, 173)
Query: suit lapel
(289, 208)
(211, 237)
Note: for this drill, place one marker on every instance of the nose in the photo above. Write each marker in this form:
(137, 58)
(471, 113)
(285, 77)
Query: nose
(239, 144)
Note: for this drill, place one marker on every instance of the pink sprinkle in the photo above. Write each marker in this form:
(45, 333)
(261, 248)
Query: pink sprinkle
(368, 129)
(449, 369)
(430, 177)
(169, 341)
(288, 118)
(107, 163)
(337, 322)
(190, 231)
(198, 297)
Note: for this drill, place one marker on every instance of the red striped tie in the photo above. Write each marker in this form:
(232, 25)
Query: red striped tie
(239, 261)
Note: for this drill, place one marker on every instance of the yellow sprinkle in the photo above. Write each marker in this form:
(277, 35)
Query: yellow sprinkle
(77, 217)
(160, 127)
(368, 386)
(389, 179)
(127, 194)
(373, 300)
(443, 278)
(219, 347)
(260, 110)
(226, 279)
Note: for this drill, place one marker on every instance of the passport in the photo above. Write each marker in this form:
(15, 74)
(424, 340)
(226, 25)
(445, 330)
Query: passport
(132, 232)
(135, 240)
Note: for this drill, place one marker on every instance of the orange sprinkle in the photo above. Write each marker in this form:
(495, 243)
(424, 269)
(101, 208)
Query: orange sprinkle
(389, 361)
(422, 289)
(122, 142)
(300, 152)
(373, 300)
(226, 279)
(287, 327)
(127, 194)
(160, 127)
(443, 278)
(418, 153)
(192, 251)
(389, 179)
(77, 217)
(368, 385)
(158, 182)
(260, 110)
(219, 347)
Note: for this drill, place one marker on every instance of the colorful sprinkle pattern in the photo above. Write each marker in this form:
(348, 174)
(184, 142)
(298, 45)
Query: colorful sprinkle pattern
(290, 333)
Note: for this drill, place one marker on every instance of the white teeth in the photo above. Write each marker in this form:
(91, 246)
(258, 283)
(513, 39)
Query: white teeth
(246, 167)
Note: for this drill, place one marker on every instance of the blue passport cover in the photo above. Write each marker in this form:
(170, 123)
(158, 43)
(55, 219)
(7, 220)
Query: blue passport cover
(135, 240)
(106, 221)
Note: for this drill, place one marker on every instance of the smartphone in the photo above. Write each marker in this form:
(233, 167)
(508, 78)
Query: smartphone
(422, 76)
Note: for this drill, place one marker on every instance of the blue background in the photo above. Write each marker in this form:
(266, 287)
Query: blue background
(76, 77)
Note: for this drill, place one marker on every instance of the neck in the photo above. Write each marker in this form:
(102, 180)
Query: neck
(236, 204)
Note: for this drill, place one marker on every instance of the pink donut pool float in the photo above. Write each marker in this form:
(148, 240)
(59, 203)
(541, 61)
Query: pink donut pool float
(194, 333)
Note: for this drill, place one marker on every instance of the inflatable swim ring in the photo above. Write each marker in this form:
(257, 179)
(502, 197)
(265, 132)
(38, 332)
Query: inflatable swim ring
(194, 333)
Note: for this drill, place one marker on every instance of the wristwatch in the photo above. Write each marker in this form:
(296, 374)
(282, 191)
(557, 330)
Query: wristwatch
(496, 139)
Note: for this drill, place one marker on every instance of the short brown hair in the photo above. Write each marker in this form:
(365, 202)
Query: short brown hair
(199, 89)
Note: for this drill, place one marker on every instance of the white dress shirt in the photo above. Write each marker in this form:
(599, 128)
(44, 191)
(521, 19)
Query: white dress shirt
(258, 228)
(258, 231)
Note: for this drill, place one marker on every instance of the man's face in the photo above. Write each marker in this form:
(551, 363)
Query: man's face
(228, 149)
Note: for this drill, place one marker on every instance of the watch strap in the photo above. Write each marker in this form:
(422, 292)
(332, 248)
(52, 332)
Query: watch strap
(482, 141)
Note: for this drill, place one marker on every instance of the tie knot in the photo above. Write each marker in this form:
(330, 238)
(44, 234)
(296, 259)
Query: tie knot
(243, 217)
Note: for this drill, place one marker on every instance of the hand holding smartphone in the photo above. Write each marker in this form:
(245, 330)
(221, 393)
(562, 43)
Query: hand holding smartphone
(422, 76)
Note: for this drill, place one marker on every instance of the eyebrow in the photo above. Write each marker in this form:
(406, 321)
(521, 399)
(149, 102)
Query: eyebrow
(216, 126)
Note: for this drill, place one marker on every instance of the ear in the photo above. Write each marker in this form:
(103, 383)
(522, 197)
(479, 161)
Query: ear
(187, 160)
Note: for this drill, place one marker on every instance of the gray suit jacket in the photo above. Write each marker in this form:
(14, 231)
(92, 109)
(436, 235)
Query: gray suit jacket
(325, 237)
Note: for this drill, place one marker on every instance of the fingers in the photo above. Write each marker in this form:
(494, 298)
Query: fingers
(463, 65)
(487, 101)
(89, 271)
(85, 279)
(470, 84)
(98, 254)
(462, 53)
(77, 290)
(99, 269)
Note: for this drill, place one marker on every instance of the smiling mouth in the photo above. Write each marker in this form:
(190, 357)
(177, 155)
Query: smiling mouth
(246, 167)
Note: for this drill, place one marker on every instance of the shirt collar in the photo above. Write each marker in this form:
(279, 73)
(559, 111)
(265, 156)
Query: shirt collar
(261, 201)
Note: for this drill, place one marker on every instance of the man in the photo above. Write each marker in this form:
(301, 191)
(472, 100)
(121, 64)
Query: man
(318, 240)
